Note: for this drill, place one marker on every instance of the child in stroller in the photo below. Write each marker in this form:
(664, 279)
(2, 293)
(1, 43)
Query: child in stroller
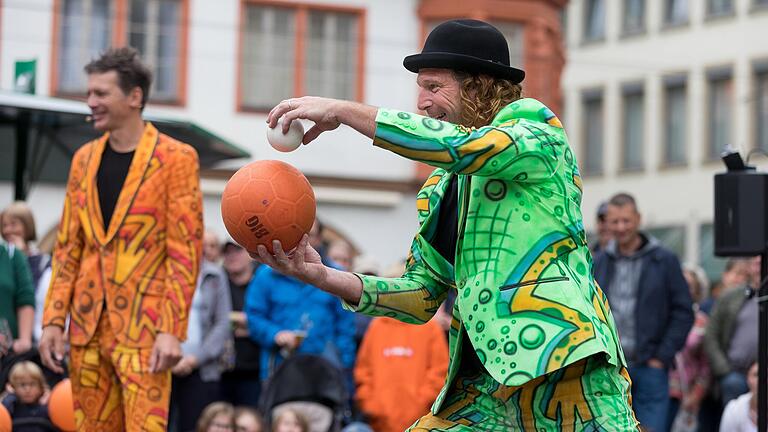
(310, 385)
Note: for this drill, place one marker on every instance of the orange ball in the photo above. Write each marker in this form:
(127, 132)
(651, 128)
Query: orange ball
(61, 407)
(5, 420)
(268, 200)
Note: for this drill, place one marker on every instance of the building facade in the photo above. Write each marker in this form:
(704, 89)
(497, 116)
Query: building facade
(654, 91)
(224, 63)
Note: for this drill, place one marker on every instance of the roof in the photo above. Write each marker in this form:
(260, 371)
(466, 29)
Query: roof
(47, 131)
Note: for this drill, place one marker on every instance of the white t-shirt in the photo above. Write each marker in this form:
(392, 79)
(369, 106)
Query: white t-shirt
(736, 416)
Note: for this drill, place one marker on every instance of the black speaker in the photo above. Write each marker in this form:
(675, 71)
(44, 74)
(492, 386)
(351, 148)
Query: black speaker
(741, 225)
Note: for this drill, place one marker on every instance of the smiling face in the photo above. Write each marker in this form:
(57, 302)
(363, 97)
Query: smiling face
(110, 106)
(439, 94)
(624, 223)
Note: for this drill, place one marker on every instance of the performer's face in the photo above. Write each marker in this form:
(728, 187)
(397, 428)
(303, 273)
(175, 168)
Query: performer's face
(439, 94)
(110, 106)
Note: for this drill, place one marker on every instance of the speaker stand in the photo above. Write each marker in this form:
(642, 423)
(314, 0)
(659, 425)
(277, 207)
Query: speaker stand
(762, 346)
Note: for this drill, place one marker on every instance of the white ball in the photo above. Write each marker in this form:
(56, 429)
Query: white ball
(285, 142)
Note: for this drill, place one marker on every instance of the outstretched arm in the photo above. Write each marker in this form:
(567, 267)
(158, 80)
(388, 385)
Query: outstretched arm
(305, 265)
(528, 145)
(327, 114)
(412, 298)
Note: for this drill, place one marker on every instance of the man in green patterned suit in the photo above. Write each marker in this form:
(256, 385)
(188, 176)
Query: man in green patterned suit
(533, 343)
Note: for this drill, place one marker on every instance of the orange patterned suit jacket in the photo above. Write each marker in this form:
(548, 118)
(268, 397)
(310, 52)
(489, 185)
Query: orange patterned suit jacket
(143, 267)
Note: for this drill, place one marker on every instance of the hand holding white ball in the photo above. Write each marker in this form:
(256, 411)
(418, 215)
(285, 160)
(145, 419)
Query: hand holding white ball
(285, 142)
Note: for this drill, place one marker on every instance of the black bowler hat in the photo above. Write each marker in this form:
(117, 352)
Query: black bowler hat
(466, 45)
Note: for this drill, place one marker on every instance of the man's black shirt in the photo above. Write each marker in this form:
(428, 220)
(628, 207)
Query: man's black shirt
(110, 179)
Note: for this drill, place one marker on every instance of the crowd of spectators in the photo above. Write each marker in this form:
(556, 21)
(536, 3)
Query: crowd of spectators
(690, 344)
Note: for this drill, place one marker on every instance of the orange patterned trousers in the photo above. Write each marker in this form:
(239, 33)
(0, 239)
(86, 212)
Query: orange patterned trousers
(112, 387)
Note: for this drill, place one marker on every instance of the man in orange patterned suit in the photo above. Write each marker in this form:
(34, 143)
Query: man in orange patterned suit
(126, 259)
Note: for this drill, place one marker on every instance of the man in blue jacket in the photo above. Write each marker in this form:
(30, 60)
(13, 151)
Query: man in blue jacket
(651, 305)
(288, 316)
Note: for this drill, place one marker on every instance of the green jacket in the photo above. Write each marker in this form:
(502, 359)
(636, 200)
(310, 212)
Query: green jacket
(526, 295)
(16, 289)
(720, 328)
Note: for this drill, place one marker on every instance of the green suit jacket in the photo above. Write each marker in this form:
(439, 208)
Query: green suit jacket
(523, 270)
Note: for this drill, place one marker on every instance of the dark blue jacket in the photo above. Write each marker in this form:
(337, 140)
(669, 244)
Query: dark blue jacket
(663, 311)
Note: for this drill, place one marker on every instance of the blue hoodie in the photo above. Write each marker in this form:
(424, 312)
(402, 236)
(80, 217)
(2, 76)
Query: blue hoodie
(274, 302)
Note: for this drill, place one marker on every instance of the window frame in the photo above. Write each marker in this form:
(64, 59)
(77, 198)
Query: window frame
(667, 22)
(757, 5)
(119, 22)
(679, 80)
(586, 39)
(676, 229)
(710, 15)
(632, 88)
(589, 95)
(759, 68)
(643, 29)
(714, 74)
(301, 9)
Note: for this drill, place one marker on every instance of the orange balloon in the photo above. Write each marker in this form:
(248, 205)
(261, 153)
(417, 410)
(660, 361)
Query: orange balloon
(61, 407)
(5, 420)
(268, 200)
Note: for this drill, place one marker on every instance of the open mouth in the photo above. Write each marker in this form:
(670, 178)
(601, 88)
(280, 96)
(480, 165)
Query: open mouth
(440, 117)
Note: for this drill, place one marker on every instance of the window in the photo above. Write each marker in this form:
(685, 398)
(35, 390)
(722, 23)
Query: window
(154, 29)
(633, 136)
(675, 12)
(761, 106)
(634, 16)
(719, 7)
(513, 32)
(671, 237)
(85, 31)
(594, 20)
(720, 111)
(292, 51)
(89, 27)
(593, 133)
(563, 15)
(712, 265)
(675, 121)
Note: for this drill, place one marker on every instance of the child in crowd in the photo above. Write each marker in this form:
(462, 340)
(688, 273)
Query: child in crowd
(248, 420)
(217, 417)
(740, 414)
(28, 392)
(289, 420)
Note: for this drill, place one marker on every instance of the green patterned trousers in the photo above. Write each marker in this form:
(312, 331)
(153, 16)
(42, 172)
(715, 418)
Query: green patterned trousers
(589, 395)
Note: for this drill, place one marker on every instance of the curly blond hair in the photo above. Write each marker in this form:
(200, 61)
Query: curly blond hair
(483, 96)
